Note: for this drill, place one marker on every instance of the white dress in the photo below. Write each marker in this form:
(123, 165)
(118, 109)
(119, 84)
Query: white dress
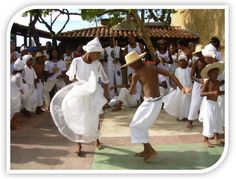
(76, 107)
(16, 96)
(176, 103)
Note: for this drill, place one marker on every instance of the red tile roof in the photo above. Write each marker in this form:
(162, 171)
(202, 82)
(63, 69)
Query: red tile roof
(153, 31)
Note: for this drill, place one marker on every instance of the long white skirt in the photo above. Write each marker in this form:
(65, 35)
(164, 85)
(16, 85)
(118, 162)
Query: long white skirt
(177, 104)
(144, 117)
(16, 104)
(29, 98)
(210, 115)
(75, 110)
(196, 100)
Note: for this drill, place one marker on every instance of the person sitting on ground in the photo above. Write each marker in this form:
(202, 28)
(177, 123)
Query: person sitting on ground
(125, 98)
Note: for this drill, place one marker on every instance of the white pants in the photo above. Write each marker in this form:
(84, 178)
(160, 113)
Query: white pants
(39, 93)
(125, 97)
(196, 100)
(49, 86)
(114, 76)
(144, 117)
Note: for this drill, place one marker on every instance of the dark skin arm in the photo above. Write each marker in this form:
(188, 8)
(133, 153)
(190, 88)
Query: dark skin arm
(106, 91)
(133, 83)
(170, 57)
(193, 71)
(119, 86)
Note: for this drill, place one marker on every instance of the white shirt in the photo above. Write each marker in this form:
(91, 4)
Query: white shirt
(59, 66)
(81, 70)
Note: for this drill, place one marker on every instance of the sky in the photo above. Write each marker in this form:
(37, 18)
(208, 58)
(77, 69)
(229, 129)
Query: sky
(75, 22)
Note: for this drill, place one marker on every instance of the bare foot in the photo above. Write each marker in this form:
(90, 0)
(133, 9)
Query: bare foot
(220, 142)
(208, 144)
(117, 108)
(78, 149)
(189, 125)
(150, 157)
(106, 106)
(98, 144)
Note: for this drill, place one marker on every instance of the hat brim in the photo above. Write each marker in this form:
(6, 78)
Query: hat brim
(198, 51)
(140, 57)
(220, 66)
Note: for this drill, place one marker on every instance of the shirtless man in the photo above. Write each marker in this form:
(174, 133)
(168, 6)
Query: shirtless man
(149, 110)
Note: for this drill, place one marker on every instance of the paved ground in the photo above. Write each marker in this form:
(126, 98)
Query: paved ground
(37, 144)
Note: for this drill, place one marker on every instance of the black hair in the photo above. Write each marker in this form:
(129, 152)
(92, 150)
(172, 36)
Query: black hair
(181, 42)
(215, 41)
(16, 71)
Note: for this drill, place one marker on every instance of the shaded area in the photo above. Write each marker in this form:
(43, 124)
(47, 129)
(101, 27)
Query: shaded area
(170, 157)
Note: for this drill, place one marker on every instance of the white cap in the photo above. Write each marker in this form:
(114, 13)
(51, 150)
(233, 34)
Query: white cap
(25, 58)
(209, 51)
(19, 64)
(93, 46)
(182, 57)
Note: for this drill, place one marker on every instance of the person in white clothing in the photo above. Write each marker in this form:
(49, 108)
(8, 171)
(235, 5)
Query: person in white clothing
(16, 92)
(39, 70)
(176, 103)
(132, 46)
(112, 55)
(149, 110)
(29, 76)
(75, 108)
(210, 113)
(164, 55)
(125, 98)
(55, 70)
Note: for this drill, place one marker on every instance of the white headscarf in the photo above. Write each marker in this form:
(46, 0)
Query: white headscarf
(209, 51)
(19, 64)
(25, 58)
(93, 46)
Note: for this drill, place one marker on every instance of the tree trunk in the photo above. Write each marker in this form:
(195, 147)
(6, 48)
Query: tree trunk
(144, 35)
(33, 33)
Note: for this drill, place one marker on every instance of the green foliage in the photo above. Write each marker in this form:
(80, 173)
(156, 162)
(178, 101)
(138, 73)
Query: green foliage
(37, 12)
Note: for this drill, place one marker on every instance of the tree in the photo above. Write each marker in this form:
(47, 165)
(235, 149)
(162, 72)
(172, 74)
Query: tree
(139, 16)
(38, 15)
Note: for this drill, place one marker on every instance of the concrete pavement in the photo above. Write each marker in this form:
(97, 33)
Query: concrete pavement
(37, 145)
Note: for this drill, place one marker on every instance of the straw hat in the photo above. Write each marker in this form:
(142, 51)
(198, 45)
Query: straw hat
(93, 46)
(198, 48)
(220, 66)
(132, 57)
(39, 54)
